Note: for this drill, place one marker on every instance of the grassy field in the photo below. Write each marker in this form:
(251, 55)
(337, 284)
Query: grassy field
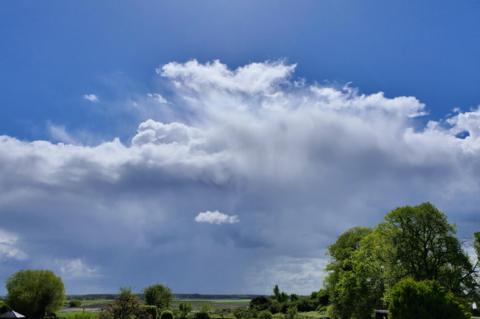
(219, 308)
(214, 303)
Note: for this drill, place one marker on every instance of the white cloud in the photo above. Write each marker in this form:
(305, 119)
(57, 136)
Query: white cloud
(91, 97)
(60, 134)
(157, 98)
(251, 79)
(299, 162)
(8, 247)
(75, 268)
(216, 217)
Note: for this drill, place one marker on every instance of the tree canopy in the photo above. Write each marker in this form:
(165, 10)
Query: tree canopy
(414, 242)
(158, 295)
(35, 293)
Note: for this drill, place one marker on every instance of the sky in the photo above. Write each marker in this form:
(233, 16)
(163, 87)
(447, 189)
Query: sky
(221, 146)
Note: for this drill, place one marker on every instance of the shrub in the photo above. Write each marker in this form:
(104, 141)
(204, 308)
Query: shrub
(74, 303)
(291, 313)
(166, 314)
(260, 303)
(3, 307)
(244, 313)
(184, 308)
(152, 311)
(265, 314)
(275, 307)
(201, 315)
(305, 304)
(423, 299)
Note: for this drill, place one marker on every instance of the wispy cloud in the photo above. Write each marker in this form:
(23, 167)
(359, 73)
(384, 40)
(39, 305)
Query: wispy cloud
(157, 98)
(60, 134)
(8, 246)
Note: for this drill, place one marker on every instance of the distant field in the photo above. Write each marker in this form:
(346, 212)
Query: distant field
(214, 303)
(77, 314)
(90, 304)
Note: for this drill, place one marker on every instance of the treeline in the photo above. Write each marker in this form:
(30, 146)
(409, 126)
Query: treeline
(176, 296)
(264, 307)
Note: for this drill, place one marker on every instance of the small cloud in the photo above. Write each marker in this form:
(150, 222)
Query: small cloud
(157, 98)
(8, 249)
(75, 268)
(91, 97)
(216, 217)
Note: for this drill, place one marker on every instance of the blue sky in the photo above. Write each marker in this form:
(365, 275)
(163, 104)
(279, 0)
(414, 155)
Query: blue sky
(278, 146)
(55, 51)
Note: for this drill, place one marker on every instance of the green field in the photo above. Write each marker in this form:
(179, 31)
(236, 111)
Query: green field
(219, 308)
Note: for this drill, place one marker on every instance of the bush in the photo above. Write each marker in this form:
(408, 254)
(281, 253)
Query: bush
(265, 314)
(201, 315)
(291, 313)
(423, 299)
(166, 314)
(260, 303)
(3, 307)
(305, 304)
(74, 303)
(275, 307)
(152, 311)
(244, 313)
(184, 309)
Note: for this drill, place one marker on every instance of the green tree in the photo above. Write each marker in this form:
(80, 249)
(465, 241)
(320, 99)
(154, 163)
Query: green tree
(415, 242)
(35, 293)
(426, 248)
(410, 299)
(158, 295)
(346, 283)
(126, 306)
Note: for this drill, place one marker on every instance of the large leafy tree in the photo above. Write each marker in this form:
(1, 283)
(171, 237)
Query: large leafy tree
(344, 284)
(415, 242)
(35, 293)
(158, 295)
(426, 248)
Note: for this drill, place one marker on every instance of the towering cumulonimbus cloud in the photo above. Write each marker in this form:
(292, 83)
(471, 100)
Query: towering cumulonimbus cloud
(295, 163)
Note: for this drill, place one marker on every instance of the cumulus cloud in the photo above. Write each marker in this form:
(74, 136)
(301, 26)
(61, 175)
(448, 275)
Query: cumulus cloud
(299, 163)
(216, 217)
(91, 97)
(75, 268)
